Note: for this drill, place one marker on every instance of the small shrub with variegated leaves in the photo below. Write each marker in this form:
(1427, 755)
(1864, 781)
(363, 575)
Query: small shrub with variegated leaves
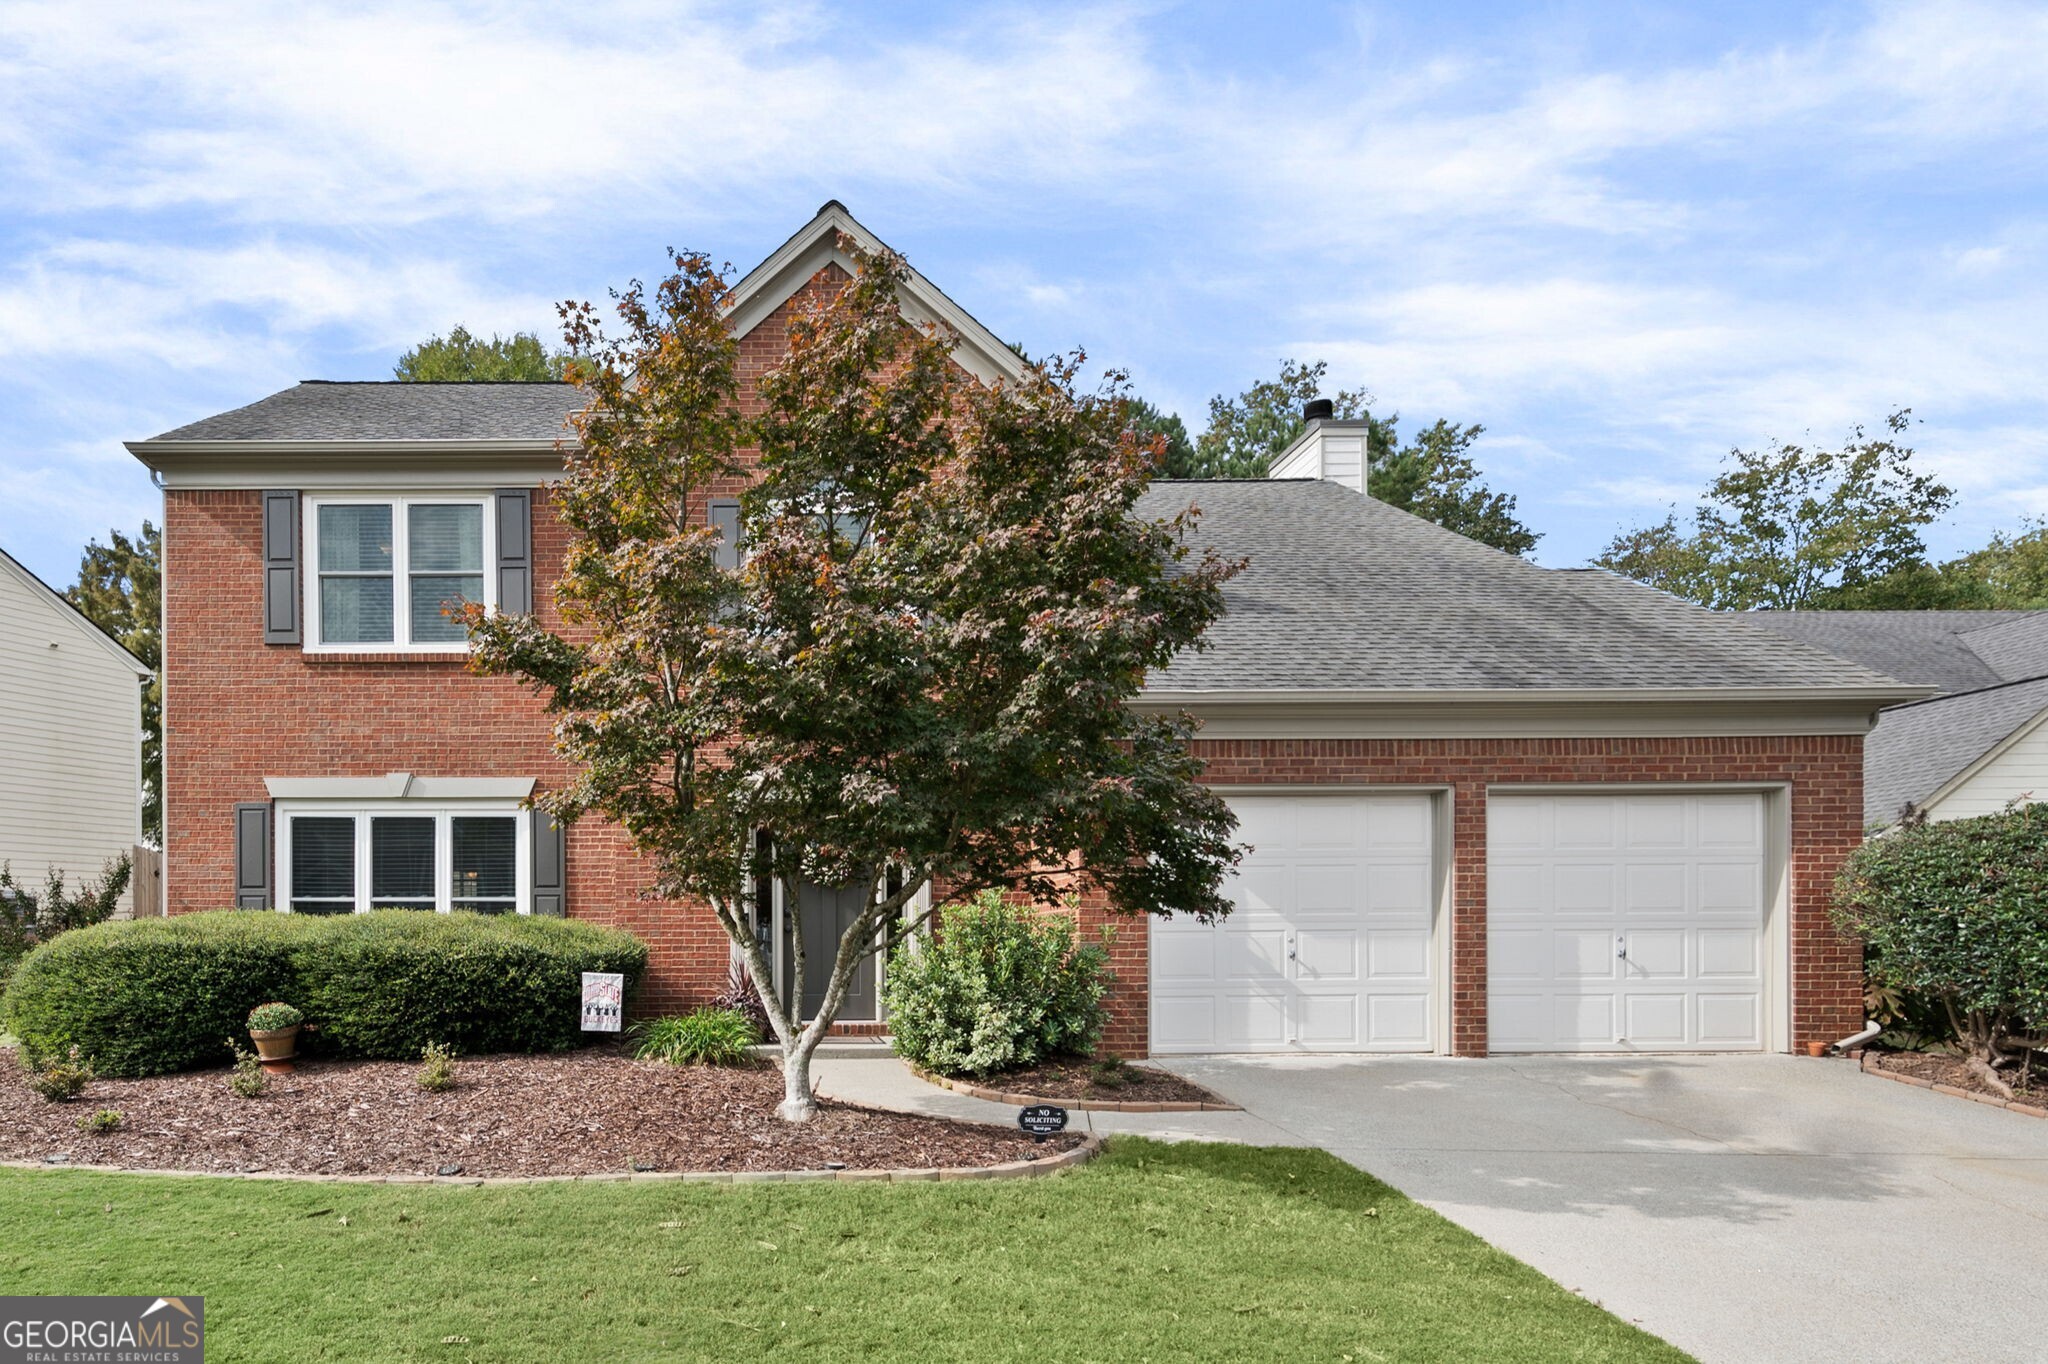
(100, 1123)
(247, 1079)
(437, 1071)
(61, 1078)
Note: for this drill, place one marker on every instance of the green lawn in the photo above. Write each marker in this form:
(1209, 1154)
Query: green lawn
(1153, 1252)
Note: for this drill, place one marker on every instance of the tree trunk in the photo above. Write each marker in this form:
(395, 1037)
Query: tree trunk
(799, 1104)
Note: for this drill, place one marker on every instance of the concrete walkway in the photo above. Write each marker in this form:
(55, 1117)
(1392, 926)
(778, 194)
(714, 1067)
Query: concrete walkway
(1748, 1209)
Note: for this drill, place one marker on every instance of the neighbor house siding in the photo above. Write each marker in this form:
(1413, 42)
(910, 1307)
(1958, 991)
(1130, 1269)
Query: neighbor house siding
(70, 739)
(2018, 773)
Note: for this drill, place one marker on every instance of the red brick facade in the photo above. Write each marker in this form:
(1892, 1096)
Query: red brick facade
(236, 711)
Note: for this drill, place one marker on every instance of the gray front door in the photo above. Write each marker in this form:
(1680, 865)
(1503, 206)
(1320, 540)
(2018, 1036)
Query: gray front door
(827, 914)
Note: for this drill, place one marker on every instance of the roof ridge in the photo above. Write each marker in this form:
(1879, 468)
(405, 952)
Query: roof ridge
(446, 383)
(1974, 691)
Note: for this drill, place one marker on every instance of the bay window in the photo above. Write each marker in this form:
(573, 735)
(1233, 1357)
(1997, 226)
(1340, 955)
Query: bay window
(396, 855)
(392, 573)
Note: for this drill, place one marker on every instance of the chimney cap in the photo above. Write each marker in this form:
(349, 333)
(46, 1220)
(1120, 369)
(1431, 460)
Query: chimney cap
(1318, 410)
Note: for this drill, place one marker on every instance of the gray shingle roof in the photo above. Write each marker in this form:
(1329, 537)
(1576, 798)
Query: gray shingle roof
(1344, 592)
(1936, 648)
(1917, 749)
(321, 410)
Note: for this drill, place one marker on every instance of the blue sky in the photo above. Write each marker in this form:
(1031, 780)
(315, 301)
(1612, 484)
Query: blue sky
(1623, 237)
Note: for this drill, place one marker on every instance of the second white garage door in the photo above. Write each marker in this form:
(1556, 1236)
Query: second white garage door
(1626, 923)
(1329, 946)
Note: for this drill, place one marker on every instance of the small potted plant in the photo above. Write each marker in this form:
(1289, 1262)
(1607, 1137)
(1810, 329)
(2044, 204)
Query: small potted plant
(274, 1028)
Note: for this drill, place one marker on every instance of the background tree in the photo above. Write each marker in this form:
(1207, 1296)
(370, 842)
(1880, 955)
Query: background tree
(1793, 526)
(1433, 475)
(919, 675)
(119, 589)
(1150, 423)
(460, 357)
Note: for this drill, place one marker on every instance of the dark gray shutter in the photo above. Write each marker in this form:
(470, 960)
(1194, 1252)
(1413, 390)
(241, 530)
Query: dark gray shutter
(724, 516)
(550, 866)
(515, 551)
(281, 568)
(252, 855)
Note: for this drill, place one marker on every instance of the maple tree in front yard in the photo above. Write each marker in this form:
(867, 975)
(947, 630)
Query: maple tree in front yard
(917, 677)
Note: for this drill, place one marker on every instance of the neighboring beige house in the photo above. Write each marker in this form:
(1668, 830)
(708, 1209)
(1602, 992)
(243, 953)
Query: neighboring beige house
(70, 735)
(1976, 747)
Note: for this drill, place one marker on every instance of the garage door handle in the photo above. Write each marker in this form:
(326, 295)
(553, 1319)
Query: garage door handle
(1621, 947)
(1293, 950)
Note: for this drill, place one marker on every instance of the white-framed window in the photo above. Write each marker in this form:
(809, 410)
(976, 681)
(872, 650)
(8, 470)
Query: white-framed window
(384, 571)
(349, 858)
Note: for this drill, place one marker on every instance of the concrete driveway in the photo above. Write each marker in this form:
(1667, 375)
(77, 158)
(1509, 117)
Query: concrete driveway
(1747, 1209)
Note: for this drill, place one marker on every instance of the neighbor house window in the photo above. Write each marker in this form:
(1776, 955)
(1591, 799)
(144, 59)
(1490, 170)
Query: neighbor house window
(395, 572)
(398, 856)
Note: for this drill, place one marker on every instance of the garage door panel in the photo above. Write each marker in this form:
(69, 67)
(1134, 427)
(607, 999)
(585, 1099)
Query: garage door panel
(1732, 822)
(1654, 1020)
(1726, 953)
(1675, 880)
(1397, 956)
(1584, 1019)
(1181, 957)
(1583, 888)
(1654, 823)
(1591, 823)
(1655, 888)
(1731, 1020)
(1730, 887)
(1400, 890)
(1327, 954)
(1250, 953)
(1658, 954)
(1399, 1019)
(1330, 946)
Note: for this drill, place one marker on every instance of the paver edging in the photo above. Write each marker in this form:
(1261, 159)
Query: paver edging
(1090, 1147)
(975, 1091)
(1870, 1067)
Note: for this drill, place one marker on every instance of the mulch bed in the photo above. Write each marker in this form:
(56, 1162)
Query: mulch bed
(591, 1112)
(1074, 1079)
(1954, 1071)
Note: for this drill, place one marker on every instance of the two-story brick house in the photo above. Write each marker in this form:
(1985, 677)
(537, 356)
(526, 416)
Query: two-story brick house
(1493, 806)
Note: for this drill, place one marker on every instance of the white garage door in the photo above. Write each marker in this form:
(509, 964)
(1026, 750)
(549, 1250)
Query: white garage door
(1625, 923)
(1329, 946)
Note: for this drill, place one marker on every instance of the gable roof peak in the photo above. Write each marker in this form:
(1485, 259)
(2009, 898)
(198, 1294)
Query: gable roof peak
(815, 245)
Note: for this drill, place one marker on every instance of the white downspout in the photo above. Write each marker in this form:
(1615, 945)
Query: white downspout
(1857, 1039)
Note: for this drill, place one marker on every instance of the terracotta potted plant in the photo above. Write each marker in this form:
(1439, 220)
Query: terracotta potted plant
(274, 1028)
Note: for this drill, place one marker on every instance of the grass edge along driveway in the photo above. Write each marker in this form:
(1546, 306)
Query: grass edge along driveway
(1154, 1251)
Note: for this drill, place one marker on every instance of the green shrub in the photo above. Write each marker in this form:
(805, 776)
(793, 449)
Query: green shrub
(62, 1076)
(152, 995)
(248, 1079)
(101, 1123)
(28, 917)
(996, 988)
(437, 1071)
(390, 983)
(274, 1017)
(704, 1037)
(1957, 913)
(156, 995)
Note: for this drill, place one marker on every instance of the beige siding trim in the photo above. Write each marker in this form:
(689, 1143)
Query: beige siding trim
(2016, 766)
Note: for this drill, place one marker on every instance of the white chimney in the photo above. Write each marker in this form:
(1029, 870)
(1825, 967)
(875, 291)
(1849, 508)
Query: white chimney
(1329, 449)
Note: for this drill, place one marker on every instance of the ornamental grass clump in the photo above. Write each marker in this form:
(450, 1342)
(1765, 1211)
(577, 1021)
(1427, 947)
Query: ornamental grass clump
(704, 1037)
(998, 987)
(1957, 913)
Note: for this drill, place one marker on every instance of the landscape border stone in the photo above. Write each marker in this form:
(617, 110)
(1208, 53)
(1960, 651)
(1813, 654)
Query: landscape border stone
(1868, 1061)
(1089, 1148)
(975, 1091)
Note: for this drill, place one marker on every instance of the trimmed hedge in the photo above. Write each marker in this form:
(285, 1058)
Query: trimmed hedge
(156, 995)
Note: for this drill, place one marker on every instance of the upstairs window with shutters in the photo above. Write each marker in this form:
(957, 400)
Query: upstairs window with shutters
(393, 573)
